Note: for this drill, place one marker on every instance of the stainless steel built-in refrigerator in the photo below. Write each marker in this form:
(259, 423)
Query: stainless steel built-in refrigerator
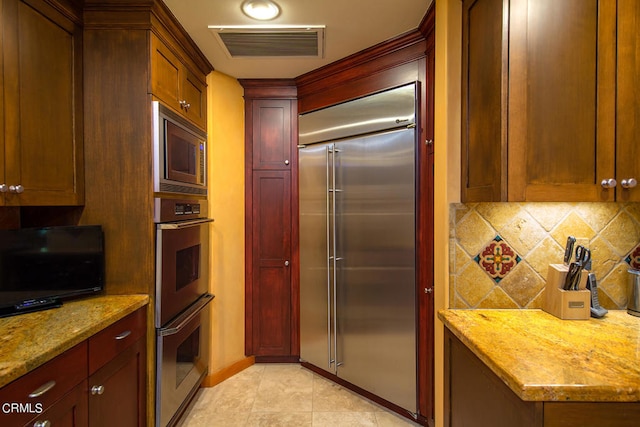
(357, 243)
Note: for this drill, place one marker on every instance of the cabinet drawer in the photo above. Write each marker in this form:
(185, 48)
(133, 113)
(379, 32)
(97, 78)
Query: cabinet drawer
(36, 391)
(105, 345)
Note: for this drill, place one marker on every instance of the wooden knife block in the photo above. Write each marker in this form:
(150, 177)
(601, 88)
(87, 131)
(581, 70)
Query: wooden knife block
(568, 305)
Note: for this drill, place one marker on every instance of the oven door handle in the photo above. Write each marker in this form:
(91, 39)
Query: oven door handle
(181, 321)
(183, 224)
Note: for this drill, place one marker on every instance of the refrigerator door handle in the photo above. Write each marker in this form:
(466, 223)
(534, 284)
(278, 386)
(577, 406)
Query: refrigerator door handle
(335, 260)
(329, 257)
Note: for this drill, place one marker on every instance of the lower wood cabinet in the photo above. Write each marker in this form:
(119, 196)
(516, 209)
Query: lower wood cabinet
(117, 369)
(117, 390)
(475, 396)
(71, 410)
(99, 382)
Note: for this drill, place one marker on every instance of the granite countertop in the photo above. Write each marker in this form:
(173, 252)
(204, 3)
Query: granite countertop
(29, 340)
(543, 358)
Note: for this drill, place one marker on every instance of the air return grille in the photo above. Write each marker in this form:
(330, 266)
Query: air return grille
(260, 41)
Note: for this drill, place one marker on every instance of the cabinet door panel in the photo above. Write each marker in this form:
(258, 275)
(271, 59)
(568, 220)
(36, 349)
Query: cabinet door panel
(484, 101)
(43, 127)
(70, 411)
(165, 74)
(122, 401)
(194, 92)
(271, 134)
(628, 98)
(561, 99)
(271, 256)
(172, 83)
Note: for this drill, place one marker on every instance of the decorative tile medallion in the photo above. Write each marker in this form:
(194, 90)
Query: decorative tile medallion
(633, 259)
(497, 259)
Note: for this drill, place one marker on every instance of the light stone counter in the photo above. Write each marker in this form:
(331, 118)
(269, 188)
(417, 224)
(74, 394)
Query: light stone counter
(29, 340)
(543, 358)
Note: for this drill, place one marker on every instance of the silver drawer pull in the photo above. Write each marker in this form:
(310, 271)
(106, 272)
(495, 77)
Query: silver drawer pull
(97, 389)
(45, 423)
(43, 389)
(123, 335)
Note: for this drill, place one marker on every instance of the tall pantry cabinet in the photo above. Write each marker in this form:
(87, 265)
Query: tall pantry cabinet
(125, 47)
(271, 297)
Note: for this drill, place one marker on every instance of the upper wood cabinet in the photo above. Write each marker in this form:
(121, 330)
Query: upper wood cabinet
(41, 126)
(174, 84)
(272, 133)
(539, 100)
(628, 101)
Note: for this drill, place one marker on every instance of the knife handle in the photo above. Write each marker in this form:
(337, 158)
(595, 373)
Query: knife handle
(568, 250)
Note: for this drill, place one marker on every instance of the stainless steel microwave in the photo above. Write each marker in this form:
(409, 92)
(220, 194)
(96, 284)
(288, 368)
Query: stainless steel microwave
(179, 154)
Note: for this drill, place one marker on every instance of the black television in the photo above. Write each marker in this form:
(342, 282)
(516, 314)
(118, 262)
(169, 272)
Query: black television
(39, 267)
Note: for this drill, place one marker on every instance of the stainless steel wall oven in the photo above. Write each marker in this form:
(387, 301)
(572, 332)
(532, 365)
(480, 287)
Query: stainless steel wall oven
(182, 304)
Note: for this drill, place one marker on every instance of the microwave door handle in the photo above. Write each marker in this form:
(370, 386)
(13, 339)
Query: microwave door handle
(182, 320)
(183, 224)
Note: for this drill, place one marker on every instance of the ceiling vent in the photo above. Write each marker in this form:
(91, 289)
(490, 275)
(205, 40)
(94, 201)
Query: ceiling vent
(258, 41)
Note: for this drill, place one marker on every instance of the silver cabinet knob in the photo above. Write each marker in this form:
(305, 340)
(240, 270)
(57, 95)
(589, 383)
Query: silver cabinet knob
(286, 263)
(97, 389)
(286, 162)
(45, 423)
(16, 189)
(184, 105)
(609, 183)
(629, 183)
(4, 188)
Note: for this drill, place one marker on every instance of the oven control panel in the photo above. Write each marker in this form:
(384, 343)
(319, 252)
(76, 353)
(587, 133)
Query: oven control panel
(170, 210)
(187, 209)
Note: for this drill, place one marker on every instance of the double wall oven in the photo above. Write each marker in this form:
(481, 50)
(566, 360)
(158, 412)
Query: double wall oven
(182, 264)
(182, 298)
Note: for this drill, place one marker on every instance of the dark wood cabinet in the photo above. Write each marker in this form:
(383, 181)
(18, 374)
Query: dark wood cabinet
(50, 391)
(484, 100)
(271, 319)
(272, 137)
(628, 101)
(117, 390)
(41, 130)
(539, 100)
(117, 373)
(99, 382)
(70, 411)
(122, 76)
(173, 82)
(272, 263)
(475, 396)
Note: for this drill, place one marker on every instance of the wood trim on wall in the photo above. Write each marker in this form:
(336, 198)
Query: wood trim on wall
(226, 373)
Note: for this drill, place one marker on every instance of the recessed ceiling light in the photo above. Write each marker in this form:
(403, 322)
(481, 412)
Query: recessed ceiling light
(262, 10)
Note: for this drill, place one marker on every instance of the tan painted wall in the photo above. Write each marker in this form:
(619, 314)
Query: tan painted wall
(226, 206)
(447, 165)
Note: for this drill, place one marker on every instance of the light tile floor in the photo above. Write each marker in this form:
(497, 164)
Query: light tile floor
(285, 395)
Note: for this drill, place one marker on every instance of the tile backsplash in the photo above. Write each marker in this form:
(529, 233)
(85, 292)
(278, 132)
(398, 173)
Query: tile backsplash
(500, 252)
